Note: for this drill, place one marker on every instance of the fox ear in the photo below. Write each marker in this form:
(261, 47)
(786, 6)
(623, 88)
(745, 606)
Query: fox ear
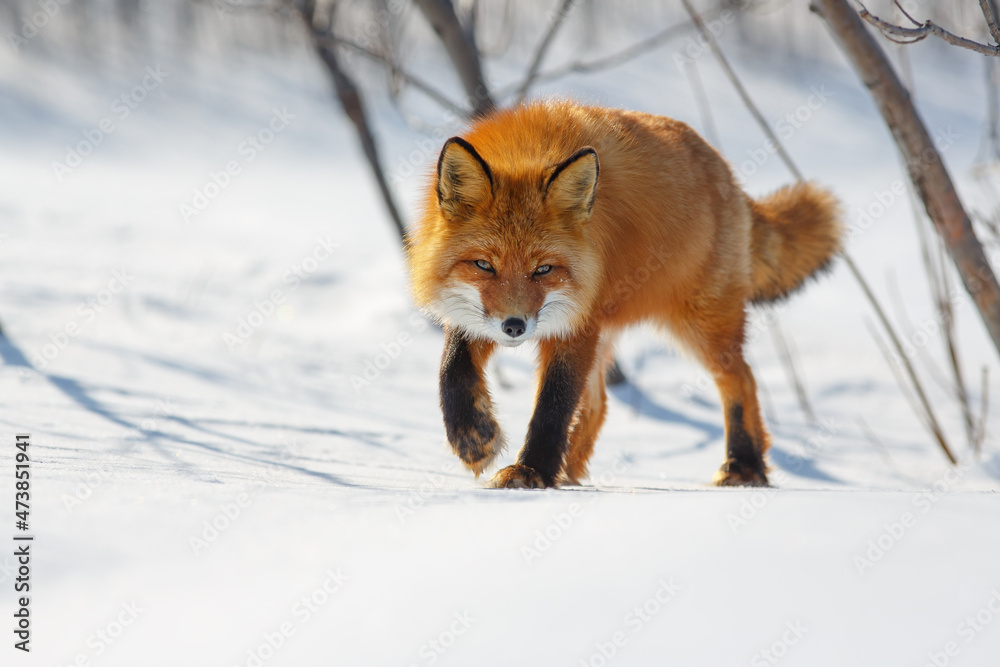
(573, 184)
(463, 177)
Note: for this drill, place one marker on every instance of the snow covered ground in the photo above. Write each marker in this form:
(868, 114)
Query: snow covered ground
(237, 453)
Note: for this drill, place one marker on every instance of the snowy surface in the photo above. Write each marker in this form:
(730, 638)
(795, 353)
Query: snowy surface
(198, 501)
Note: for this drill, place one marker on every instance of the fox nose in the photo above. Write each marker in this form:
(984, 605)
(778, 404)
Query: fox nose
(514, 326)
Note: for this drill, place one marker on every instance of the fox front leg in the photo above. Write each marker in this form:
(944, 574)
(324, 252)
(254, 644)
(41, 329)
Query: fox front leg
(472, 431)
(564, 365)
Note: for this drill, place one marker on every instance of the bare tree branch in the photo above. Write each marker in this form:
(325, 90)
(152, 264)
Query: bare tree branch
(609, 61)
(990, 12)
(991, 143)
(902, 359)
(935, 267)
(983, 412)
(731, 75)
(909, 35)
(246, 5)
(788, 360)
(415, 81)
(869, 434)
(926, 409)
(352, 102)
(461, 48)
(701, 100)
(926, 169)
(906, 13)
(543, 48)
(505, 34)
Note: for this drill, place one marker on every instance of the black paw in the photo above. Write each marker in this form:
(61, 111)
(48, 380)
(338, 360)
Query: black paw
(477, 445)
(738, 473)
(517, 476)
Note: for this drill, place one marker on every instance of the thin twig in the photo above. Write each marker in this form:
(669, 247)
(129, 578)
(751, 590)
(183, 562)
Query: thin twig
(765, 396)
(788, 361)
(460, 45)
(903, 35)
(981, 431)
(352, 103)
(948, 324)
(905, 66)
(989, 11)
(875, 442)
(411, 79)
(903, 359)
(768, 404)
(991, 225)
(740, 90)
(897, 375)
(543, 48)
(609, 61)
(896, 299)
(990, 148)
(701, 100)
(245, 5)
(906, 13)
(505, 34)
(939, 435)
(940, 288)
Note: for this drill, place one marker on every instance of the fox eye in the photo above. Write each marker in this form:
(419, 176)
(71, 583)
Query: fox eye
(542, 270)
(484, 265)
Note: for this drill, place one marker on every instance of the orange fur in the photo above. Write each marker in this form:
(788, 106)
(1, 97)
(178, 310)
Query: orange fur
(796, 231)
(645, 225)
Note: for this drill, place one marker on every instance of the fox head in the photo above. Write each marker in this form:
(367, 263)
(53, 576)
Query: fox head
(502, 252)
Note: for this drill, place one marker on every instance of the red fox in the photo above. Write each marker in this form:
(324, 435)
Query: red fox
(563, 224)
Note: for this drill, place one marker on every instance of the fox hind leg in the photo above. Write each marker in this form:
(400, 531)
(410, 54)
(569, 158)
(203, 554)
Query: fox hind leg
(715, 335)
(746, 438)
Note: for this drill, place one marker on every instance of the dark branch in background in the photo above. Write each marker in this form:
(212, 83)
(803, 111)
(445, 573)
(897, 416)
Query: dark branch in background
(983, 411)
(701, 100)
(415, 81)
(927, 413)
(740, 90)
(990, 12)
(613, 60)
(926, 169)
(923, 30)
(461, 47)
(246, 5)
(991, 145)
(789, 361)
(930, 178)
(505, 34)
(940, 287)
(350, 99)
(947, 313)
(873, 439)
(543, 48)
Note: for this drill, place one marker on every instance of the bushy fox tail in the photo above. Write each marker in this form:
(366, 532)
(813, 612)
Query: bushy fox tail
(796, 232)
